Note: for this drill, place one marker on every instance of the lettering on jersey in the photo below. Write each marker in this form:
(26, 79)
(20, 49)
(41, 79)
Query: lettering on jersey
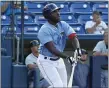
(62, 33)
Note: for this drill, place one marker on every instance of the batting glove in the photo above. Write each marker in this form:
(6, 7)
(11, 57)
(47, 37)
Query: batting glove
(79, 53)
(70, 60)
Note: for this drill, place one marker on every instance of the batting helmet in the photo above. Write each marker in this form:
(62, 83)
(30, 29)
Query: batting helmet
(34, 43)
(48, 9)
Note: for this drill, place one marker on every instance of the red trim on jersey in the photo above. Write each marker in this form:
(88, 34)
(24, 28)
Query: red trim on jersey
(71, 36)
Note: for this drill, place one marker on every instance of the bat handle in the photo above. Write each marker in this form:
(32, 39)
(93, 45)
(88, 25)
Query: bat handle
(75, 54)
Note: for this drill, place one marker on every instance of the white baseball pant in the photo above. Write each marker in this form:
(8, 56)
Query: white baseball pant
(53, 71)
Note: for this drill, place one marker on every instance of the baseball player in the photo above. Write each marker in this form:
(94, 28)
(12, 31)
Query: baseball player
(53, 35)
(31, 63)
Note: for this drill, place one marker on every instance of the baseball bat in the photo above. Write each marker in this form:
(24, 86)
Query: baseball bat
(71, 77)
(72, 72)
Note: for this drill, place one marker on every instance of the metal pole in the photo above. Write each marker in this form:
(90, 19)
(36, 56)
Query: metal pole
(36, 78)
(12, 26)
(22, 31)
(18, 42)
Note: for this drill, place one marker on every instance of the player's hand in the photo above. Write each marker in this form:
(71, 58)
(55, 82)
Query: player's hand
(79, 53)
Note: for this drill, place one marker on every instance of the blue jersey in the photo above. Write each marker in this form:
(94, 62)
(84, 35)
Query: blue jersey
(57, 35)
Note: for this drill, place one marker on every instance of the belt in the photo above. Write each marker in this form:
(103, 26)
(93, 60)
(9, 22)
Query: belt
(41, 79)
(32, 79)
(51, 58)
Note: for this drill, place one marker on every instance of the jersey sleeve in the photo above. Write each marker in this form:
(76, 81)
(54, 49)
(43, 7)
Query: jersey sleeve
(97, 47)
(28, 61)
(104, 25)
(88, 25)
(44, 36)
(68, 29)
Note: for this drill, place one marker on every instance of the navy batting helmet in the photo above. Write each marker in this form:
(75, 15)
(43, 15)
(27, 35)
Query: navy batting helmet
(48, 9)
(34, 43)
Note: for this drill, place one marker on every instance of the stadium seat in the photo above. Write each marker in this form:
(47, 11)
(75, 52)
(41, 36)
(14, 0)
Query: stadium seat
(5, 19)
(105, 18)
(31, 28)
(68, 17)
(3, 52)
(80, 7)
(83, 18)
(78, 28)
(100, 6)
(6, 29)
(28, 18)
(64, 6)
(39, 18)
(34, 6)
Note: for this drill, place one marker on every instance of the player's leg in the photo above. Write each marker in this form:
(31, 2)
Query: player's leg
(104, 78)
(31, 84)
(44, 84)
(62, 72)
(50, 73)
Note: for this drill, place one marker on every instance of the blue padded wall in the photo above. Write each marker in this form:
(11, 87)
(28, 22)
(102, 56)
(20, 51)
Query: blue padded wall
(19, 79)
(6, 71)
(96, 63)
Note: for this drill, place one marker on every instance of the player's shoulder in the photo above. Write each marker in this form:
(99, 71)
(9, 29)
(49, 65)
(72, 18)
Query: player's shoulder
(41, 56)
(29, 56)
(45, 27)
(103, 22)
(63, 22)
(100, 43)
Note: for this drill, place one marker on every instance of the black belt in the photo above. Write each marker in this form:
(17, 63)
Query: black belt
(41, 79)
(32, 79)
(51, 58)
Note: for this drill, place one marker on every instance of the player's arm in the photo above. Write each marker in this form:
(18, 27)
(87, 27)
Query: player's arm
(18, 6)
(91, 30)
(98, 53)
(74, 40)
(25, 6)
(50, 46)
(31, 66)
(75, 43)
(4, 6)
(97, 50)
